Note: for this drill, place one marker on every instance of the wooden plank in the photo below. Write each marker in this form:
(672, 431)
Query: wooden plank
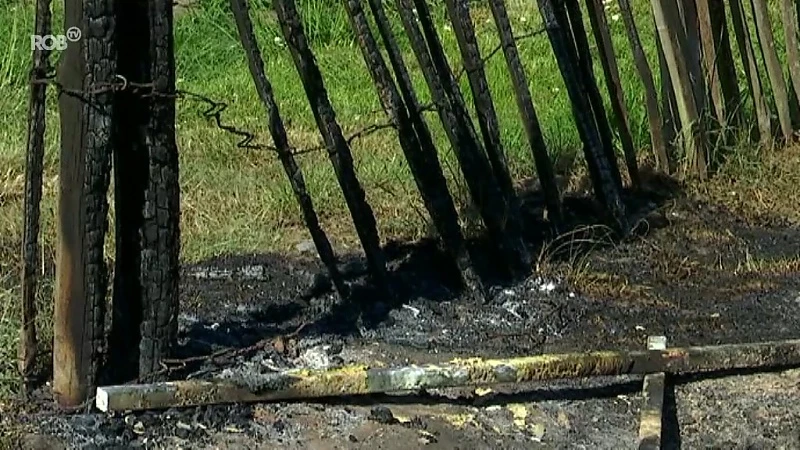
(483, 187)
(464, 31)
(724, 64)
(604, 176)
(651, 420)
(709, 54)
(356, 380)
(420, 154)
(451, 233)
(651, 417)
(81, 273)
(570, 12)
(338, 148)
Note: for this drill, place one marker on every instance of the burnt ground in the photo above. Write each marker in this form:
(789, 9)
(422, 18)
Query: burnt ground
(697, 272)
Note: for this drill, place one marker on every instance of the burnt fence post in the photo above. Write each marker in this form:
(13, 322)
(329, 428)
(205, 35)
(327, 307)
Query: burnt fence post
(337, 146)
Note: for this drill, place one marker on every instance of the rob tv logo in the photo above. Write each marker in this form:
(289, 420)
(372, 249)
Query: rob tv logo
(55, 41)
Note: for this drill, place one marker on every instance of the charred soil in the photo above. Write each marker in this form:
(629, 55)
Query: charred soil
(699, 270)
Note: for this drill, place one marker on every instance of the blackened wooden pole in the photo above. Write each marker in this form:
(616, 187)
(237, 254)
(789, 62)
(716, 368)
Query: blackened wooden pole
(472, 158)
(654, 117)
(131, 174)
(85, 107)
(571, 15)
(747, 53)
(533, 131)
(161, 231)
(608, 61)
(337, 146)
(422, 161)
(34, 168)
(604, 180)
(458, 11)
(277, 130)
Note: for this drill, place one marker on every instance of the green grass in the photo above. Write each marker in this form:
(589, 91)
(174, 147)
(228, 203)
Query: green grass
(236, 200)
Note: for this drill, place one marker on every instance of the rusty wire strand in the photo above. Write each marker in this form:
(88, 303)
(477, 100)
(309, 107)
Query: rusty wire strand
(215, 108)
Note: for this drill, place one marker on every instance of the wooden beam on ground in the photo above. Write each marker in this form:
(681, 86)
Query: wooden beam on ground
(653, 407)
(358, 380)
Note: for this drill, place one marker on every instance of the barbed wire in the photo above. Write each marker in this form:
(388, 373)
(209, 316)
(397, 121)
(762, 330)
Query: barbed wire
(214, 109)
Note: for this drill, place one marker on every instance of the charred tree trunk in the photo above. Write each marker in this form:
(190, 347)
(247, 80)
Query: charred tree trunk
(337, 146)
(654, 116)
(767, 40)
(34, 168)
(572, 16)
(148, 194)
(608, 60)
(278, 132)
(422, 161)
(161, 233)
(533, 130)
(475, 166)
(130, 180)
(458, 10)
(745, 44)
(604, 180)
(81, 274)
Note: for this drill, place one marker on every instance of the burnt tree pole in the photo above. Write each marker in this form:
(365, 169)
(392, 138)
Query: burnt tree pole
(604, 174)
(420, 154)
(81, 275)
(278, 132)
(337, 146)
(533, 130)
(147, 196)
(608, 60)
(34, 167)
(472, 159)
